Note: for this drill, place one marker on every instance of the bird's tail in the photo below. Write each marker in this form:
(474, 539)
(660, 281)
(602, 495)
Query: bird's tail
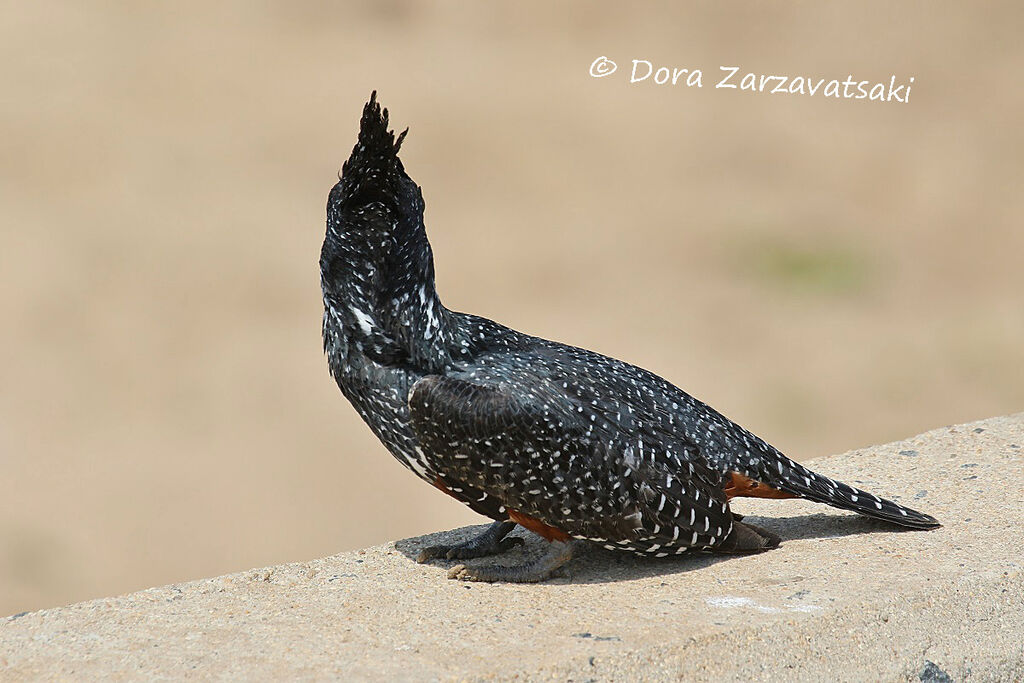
(786, 475)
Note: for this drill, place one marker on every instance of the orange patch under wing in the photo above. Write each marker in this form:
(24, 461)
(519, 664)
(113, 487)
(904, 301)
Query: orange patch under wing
(440, 486)
(538, 527)
(740, 485)
(532, 523)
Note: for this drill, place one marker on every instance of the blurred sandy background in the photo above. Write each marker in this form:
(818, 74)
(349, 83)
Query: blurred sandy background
(831, 274)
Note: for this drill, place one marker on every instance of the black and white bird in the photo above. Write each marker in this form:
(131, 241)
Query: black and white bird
(573, 445)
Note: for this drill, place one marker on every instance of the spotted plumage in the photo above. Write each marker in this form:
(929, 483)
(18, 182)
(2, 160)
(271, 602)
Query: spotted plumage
(569, 443)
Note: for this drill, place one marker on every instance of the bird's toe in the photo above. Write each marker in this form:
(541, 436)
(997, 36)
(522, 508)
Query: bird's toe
(434, 552)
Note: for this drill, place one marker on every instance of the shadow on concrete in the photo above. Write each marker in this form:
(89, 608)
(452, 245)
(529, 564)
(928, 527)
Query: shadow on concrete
(594, 564)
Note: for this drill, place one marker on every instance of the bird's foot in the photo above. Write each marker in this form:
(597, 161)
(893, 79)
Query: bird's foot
(491, 542)
(532, 572)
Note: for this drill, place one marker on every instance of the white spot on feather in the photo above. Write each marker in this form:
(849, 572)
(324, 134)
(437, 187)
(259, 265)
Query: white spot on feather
(364, 321)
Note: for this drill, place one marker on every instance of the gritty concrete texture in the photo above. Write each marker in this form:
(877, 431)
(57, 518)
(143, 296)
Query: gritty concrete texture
(843, 598)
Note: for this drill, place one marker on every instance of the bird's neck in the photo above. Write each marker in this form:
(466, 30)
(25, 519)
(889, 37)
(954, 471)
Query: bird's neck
(390, 309)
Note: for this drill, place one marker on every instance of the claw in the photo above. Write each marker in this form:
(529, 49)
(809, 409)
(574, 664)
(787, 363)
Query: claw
(434, 552)
(459, 571)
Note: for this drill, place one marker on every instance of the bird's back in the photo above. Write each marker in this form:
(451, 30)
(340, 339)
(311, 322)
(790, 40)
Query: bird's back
(607, 398)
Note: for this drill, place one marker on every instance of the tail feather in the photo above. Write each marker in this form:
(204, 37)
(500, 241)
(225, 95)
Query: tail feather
(787, 475)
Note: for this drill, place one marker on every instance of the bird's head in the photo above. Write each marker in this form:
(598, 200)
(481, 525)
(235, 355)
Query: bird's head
(375, 211)
(375, 250)
(373, 174)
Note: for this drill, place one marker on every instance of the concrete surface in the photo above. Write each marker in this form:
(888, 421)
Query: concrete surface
(843, 598)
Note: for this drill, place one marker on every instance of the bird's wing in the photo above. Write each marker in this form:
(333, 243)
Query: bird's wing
(549, 459)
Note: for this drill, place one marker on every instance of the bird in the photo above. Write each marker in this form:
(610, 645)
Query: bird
(577, 447)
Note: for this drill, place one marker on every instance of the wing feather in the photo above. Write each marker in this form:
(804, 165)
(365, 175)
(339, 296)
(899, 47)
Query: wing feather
(538, 455)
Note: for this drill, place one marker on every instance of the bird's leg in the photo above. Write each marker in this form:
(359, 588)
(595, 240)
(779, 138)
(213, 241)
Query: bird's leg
(491, 542)
(747, 538)
(772, 538)
(531, 572)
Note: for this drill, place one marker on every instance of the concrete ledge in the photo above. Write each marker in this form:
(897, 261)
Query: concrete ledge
(844, 598)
